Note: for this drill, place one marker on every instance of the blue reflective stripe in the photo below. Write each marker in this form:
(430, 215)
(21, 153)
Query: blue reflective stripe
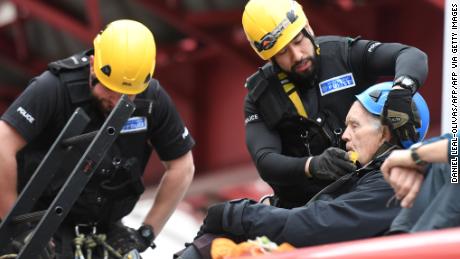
(135, 124)
(337, 83)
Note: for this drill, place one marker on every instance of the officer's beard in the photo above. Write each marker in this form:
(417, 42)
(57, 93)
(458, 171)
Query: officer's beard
(104, 106)
(306, 77)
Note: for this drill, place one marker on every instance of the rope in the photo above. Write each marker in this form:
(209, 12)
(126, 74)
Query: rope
(90, 244)
(8, 256)
(79, 241)
(100, 239)
(28, 217)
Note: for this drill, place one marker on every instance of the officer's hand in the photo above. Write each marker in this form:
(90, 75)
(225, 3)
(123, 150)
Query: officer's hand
(398, 158)
(331, 164)
(397, 113)
(124, 239)
(212, 223)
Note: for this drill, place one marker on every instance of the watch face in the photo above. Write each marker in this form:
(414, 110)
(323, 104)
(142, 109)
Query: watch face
(407, 81)
(146, 232)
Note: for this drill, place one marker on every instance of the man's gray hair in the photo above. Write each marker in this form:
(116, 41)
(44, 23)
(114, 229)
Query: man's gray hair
(376, 122)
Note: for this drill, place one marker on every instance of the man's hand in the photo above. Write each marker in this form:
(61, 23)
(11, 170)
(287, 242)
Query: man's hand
(332, 164)
(398, 158)
(212, 223)
(406, 182)
(404, 176)
(397, 113)
(124, 239)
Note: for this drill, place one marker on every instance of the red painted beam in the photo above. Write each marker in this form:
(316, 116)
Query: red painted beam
(92, 11)
(20, 39)
(30, 67)
(56, 19)
(176, 19)
(437, 3)
(213, 19)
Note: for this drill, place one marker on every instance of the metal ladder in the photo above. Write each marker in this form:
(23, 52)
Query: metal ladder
(70, 135)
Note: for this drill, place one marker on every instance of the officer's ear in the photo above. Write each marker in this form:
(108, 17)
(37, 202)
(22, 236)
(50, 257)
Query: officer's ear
(91, 64)
(310, 30)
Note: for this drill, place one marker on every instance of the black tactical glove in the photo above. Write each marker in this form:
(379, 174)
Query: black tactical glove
(332, 164)
(212, 223)
(397, 113)
(124, 239)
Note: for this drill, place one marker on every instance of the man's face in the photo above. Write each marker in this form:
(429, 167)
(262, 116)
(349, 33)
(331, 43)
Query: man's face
(106, 99)
(364, 133)
(298, 57)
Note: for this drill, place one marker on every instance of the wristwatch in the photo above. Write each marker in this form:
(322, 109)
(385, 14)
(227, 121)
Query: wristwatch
(406, 83)
(146, 232)
(415, 157)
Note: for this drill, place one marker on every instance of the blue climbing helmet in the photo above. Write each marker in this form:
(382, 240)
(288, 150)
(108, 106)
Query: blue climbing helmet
(373, 99)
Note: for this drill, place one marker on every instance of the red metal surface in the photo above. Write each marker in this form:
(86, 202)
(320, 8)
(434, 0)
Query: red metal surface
(30, 66)
(94, 18)
(56, 19)
(213, 19)
(433, 244)
(175, 18)
(20, 41)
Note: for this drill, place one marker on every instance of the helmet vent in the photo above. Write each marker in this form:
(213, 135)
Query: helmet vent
(106, 70)
(375, 95)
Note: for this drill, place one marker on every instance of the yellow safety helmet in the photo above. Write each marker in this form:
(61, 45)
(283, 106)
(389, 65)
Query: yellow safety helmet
(124, 56)
(271, 24)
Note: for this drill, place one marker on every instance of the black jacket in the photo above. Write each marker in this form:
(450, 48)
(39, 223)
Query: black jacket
(353, 207)
(274, 129)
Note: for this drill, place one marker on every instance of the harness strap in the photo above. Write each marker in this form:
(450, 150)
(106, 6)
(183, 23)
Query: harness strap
(291, 90)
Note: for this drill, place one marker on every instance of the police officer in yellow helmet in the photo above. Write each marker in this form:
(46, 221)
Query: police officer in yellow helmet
(122, 62)
(297, 102)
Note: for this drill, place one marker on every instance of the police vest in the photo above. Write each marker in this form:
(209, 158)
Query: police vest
(116, 185)
(336, 86)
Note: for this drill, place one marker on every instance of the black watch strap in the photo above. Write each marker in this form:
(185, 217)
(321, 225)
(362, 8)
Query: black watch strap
(415, 157)
(146, 232)
(406, 82)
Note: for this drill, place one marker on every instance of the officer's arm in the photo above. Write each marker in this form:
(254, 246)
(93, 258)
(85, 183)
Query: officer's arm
(375, 59)
(12, 142)
(173, 186)
(357, 214)
(265, 148)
